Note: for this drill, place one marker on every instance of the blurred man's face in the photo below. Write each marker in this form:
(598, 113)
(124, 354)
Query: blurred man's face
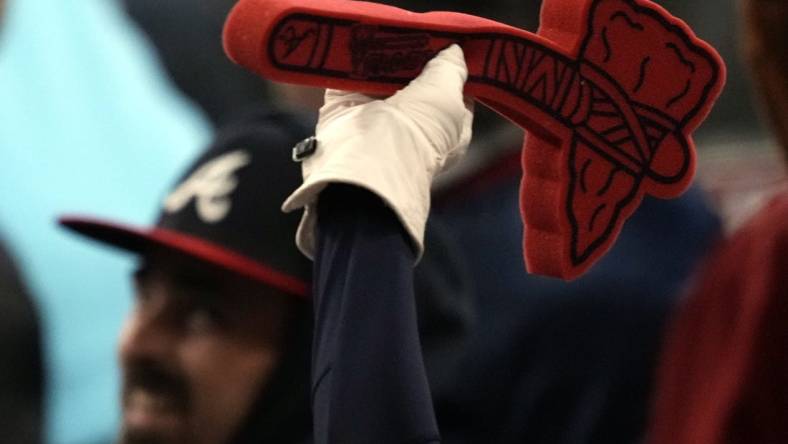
(195, 353)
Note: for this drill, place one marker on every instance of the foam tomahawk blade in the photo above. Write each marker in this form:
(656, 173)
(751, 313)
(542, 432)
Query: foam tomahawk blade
(609, 92)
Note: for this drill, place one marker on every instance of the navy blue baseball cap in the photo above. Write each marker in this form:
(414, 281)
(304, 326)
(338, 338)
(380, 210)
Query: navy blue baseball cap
(225, 210)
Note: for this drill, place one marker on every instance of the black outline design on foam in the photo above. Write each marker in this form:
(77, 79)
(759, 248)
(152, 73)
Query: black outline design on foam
(675, 128)
(675, 30)
(293, 41)
(632, 23)
(642, 75)
(580, 257)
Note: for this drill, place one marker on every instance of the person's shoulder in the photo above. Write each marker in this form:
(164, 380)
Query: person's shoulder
(767, 229)
(756, 254)
(10, 279)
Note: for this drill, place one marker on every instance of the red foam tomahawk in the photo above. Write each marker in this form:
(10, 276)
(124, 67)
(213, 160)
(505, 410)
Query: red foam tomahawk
(609, 92)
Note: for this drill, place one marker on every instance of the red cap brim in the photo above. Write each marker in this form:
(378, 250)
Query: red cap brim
(142, 240)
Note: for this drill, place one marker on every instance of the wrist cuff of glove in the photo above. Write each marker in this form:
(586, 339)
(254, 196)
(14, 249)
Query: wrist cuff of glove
(411, 215)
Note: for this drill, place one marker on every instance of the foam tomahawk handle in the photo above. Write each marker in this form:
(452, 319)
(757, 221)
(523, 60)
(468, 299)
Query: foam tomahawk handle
(609, 92)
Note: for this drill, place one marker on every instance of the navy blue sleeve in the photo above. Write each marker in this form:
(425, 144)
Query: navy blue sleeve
(369, 384)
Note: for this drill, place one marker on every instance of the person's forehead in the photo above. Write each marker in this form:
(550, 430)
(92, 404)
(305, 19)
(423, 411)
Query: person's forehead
(197, 278)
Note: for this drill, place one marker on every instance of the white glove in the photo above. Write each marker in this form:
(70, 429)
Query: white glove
(392, 147)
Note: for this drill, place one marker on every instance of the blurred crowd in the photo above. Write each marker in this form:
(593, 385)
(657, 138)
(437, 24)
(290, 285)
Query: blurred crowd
(130, 110)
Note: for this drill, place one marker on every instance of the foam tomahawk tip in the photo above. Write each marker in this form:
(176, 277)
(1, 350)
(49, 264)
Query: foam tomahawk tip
(609, 92)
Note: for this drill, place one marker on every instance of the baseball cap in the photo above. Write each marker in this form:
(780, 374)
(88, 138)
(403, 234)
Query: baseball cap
(225, 210)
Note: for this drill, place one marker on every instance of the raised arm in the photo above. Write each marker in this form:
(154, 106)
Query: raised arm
(366, 192)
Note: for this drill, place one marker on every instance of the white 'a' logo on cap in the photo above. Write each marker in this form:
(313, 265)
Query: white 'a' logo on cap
(210, 186)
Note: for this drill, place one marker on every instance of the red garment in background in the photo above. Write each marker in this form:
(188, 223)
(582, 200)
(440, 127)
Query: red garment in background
(723, 377)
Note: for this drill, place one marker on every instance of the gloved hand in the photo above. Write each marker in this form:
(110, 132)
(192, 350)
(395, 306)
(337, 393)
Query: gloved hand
(392, 147)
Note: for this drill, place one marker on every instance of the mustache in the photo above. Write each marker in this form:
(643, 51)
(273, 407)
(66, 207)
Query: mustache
(156, 379)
